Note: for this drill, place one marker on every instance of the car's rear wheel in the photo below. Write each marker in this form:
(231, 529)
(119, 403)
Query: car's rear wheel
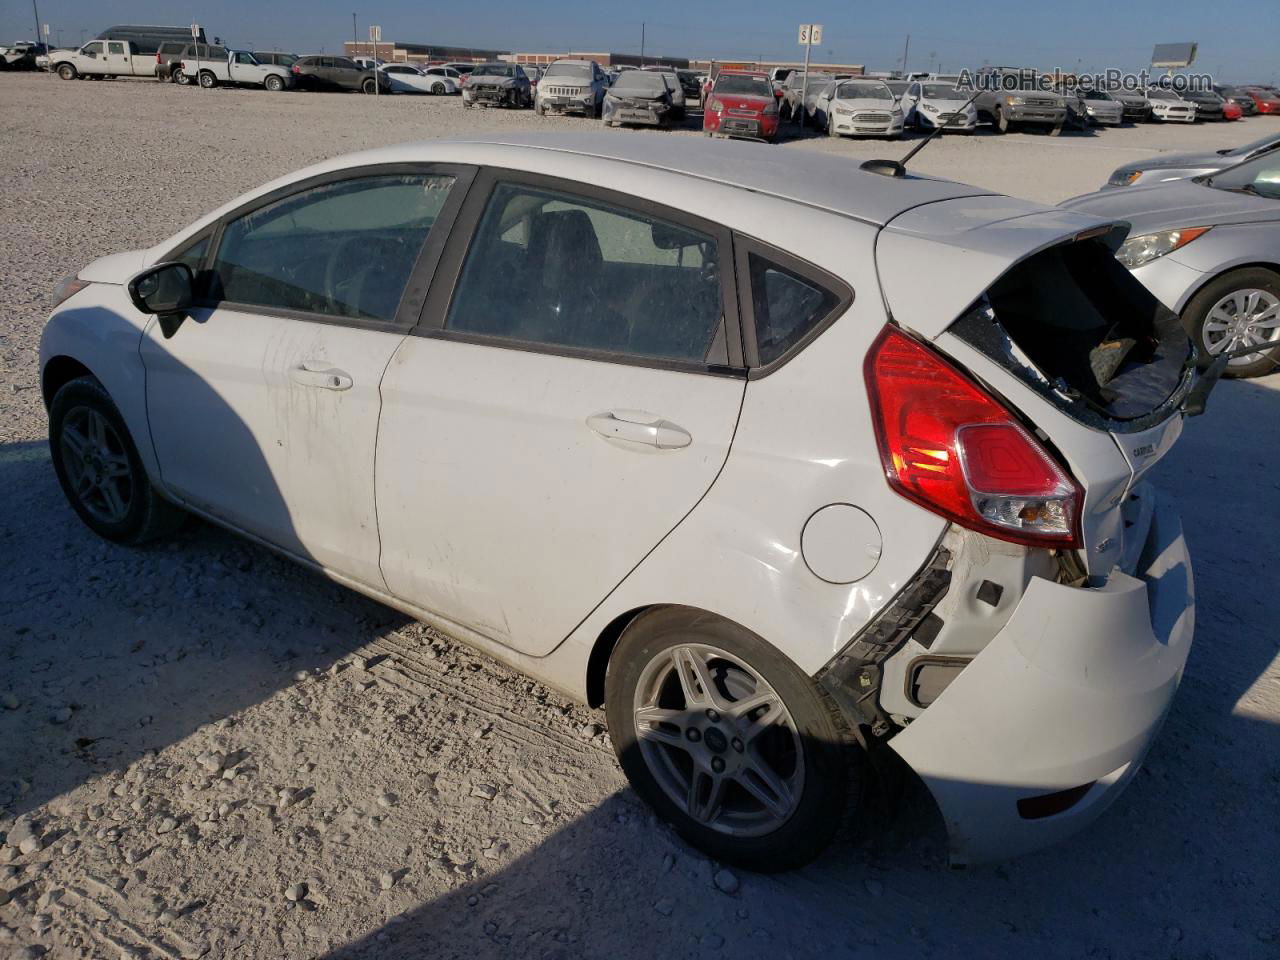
(437, 89)
(208, 80)
(1238, 310)
(728, 740)
(368, 87)
(99, 469)
(273, 83)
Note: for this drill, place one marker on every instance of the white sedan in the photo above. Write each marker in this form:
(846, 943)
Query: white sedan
(409, 79)
(928, 106)
(859, 108)
(689, 441)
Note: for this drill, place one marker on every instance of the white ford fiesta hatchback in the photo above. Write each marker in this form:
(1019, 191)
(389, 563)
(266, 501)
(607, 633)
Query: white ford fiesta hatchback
(677, 428)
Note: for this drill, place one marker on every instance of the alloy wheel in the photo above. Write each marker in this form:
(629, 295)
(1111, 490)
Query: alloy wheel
(1243, 318)
(97, 465)
(719, 740)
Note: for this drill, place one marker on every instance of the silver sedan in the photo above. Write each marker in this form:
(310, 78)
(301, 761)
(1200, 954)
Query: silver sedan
(1209, 248)
(1182, 166)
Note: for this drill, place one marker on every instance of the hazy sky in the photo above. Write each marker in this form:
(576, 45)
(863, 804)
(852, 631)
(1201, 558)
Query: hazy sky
(1236, 38)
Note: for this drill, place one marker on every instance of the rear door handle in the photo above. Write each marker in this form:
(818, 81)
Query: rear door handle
(320, 376)
(635, 426)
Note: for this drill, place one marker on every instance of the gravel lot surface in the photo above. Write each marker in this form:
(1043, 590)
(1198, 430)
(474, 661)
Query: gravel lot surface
(205, 751)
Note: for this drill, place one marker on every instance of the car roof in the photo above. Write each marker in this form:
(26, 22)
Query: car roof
(823, 181)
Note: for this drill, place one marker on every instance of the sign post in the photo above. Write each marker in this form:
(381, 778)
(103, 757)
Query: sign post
(195, 41)
(375, 37)
(810, 36)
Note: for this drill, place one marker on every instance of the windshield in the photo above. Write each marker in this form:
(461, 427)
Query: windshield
(1269, 142)
(572, 71)
(1096, 95)
(744, 85)
(1260, 176)
(1161, 95)
(495, 70)
(863, 91)
(940, 91)
(899, 87)
(640, 83)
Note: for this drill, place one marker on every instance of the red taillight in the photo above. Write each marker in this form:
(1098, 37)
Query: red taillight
(951, 447)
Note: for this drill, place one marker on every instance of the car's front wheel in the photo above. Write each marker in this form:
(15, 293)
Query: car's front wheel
(99, 469)
(729, 741)
(67, 72)
(1236, 311)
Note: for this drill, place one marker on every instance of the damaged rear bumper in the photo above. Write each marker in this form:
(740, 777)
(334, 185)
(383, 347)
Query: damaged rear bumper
(1045, 727)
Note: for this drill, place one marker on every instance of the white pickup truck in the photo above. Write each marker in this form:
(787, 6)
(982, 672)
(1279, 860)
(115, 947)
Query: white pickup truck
(239, 67)
(103, 58)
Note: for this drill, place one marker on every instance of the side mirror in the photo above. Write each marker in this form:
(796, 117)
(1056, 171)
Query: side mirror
(166, 290)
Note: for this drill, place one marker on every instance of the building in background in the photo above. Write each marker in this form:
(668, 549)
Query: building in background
(402, 52)
(605, 60)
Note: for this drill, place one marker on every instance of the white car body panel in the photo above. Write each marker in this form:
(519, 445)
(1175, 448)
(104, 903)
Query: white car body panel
(1071, 691)
(466, 533)
(270, 427)
(100, 328)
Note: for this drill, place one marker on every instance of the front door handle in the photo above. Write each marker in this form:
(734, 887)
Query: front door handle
(635, 426)
(320, 376)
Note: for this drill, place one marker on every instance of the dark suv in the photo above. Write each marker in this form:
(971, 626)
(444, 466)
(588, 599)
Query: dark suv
(336, 73)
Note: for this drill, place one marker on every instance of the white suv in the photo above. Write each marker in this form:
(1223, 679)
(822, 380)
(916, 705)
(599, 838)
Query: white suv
(691, 441)
(571, 86)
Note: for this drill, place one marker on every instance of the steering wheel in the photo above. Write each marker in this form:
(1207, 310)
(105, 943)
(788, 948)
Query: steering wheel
(336, 273)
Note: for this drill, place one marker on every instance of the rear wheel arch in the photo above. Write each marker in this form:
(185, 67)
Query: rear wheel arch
(59, 371)
(602, 650)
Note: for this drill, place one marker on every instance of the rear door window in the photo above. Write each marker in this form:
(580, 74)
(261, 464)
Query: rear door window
(581, 273)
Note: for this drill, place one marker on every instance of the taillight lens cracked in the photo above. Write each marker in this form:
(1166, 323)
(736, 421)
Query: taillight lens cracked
(951, 447)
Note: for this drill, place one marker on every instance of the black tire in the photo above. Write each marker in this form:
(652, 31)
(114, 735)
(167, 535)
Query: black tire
(832, 761)
(1197, 310)
(66, 71)
(180, 78)
(368, 87)
(437, 89)
(147, 516)
(207, 80)
(273, 83)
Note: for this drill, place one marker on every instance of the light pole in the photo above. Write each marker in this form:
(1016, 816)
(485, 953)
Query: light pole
(355, 37)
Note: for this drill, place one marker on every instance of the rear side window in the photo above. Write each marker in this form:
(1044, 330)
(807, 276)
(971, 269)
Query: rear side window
(586, 274)
(341, 249)
(787, 307)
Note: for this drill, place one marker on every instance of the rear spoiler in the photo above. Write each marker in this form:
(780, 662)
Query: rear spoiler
(982, 239)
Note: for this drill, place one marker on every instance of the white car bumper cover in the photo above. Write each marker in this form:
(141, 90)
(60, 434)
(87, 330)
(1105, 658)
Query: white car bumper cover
(1070, 694)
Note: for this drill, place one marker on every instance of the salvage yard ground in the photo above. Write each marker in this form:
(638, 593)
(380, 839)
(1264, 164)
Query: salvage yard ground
(225, 755)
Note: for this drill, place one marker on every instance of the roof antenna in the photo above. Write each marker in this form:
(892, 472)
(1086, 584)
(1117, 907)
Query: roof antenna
(898, 168)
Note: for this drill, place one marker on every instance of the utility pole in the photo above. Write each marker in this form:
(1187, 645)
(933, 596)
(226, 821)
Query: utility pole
(355, 37)
(641, 41)
(36, 10)
(905, 47)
